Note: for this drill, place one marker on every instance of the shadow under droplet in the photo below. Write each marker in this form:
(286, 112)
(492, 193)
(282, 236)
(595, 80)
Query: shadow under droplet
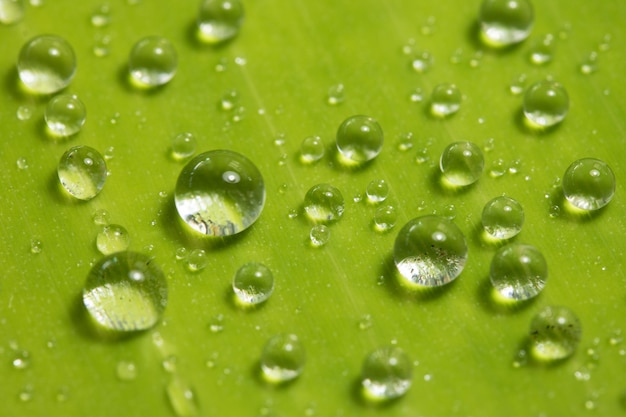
(87, 328)
(567, 211)
(493, 302)
(441, 186)
(131, 86)
(193, 38)
(359, 396)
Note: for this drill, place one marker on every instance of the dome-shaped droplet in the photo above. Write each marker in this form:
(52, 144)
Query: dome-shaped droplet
(82, 172)
(555, 332)
(505, 22)
(589, 184)
(359, 139)
(46, 64)
(461, 163)
(125, 291)
(65, 115)
(220, 193)
(503, 217)
(324, 203)
(219, 20)
(311, 149)
(283, 358)
(386, 373)
(11, 11)
(445, 100)
(430, 251)
(319, 235)
(113, 238)
(152, 62)
(253, 283)
(518, 271)
(546, 103)
(183, 146)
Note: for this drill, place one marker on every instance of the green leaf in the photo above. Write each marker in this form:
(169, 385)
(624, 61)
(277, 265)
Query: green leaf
(282, 64)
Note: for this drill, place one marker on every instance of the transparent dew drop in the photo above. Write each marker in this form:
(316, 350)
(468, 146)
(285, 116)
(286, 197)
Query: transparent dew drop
(152, 62)
(197, 260)
(590, 64)
(169, 363)
(112, 238)
(11, 11)
(36, 246)
(181, 397)
(319, 235)
(516, 87)
(216, 324)
(82, 172)
(505, 22)
(386, 373)
(555, 333)
(46, 64)
(101, 217)
(253, 283)
(324, 203)
(589, 184)
(125, 291)
(336, 95)
(283, 358)
(24, 113)
(430, 251)
(65, 115)
(503, 217)
(26, 393)
(126, 370)
(359, 139)
(220, 193)
(183, 146)
(229, 100)
(542, 52)
(445, 100)
(546, 103)
(365, 322)
(377, 191)
(21, 359)
(101, 17)
(461, 164)
(312, 149)
(219, 20)
(518, 271)
(385, 218)
(422, 62)
(22, 163)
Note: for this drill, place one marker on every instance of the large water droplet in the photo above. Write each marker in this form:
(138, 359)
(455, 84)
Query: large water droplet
(125, 291)
(152, 62)
(518, 271)
(430, 251)
(386, 373)
(220, 193)
(283, 358)
(589, 184)
(82, 172)
(324, 203)
(219, 20)
(461, 163)
(503, 217)
(359, 139)
(546, 103)
(253, 283)
(505, 22)
(555, 332)
(46, 64)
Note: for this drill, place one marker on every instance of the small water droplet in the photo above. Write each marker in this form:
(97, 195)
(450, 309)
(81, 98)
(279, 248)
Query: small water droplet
(365, 322)
(516, 87)
(319, 235)
(503, 217)
(324, 203)
(377, 191)
(152, 62)
(253, 283)
(36, 246)
(312, 149)
(542, 51)
(197, 260)
(101, 16)
(416, 95)
(26, 393)
(359, 139)
(11, 11)
(405, 142)
(101, 217)
(21, 360)
(590, 64)
(183, 146)
(46, 64)
(461, 164)
(283, 358)
(22, 163)
(445, 100)
(385, 218)
(62, 394)
(518, 271)
(546, 103)
(82, 172)
(169, 363)
(505, 22)
(65, 115)
(336, 95)
(112, 238)
(24, 113)
(422, 61)
(126, 370)
(386, 373)
(216, 324)
(498, 169)
(589, 184)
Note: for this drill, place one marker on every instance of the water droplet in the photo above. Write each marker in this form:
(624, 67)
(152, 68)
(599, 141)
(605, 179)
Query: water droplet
(430, 251)
(422, 156)
(220, 193)
(445, 100)
(449, 212)
(476, 59)
(385, 218)
(36, 246)
(169, 363)
(518, 271)
(336, 95)
(181, 397)
(319, 235)
(126, 370)
(152, 62)
(22, 163)
(377, 191)
(253, 283)
(546, 103)
(216, 324)
(102, 16)
(312, 149)
(283, 358)
(82, 172)
(365, 322)
(422, 61)
(405, 142)
(589, 64)
(386, 373)
(101, 47)
(11, 11)
(541, 52)
(555, 332)
(101, 217)
(62, 394)
(183, 146)
(498, 168)
(26, 393)
(323, 203)
(65, 115)
(516, 87)
(113, 238)
(219, 20)
(24, 112)
(589, 184)
(505, 22)
(461, 164)
(197, 260)
(503, 217)
(125, 291)
(416, 95)
(489, 145)
(46, 64)
(359, 139)
(21, 360)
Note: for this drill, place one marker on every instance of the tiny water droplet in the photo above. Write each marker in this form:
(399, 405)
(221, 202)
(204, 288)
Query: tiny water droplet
(26, 393)
(516, 87)
(36, 246)
(101, 217)
(24, 112)
(336, 95)
(283, 358)
(518, 271)
(216, 324)
(498, 168)
(181, 397)
(65, 115)
(22, 163)
(359, 139)
(542, 51)
(312, 149)
(405, 142)
(169, 363)
(21, 360)
(416, 95)
(365, 322)
(422, 61)
(126, 370)
(101, 16)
